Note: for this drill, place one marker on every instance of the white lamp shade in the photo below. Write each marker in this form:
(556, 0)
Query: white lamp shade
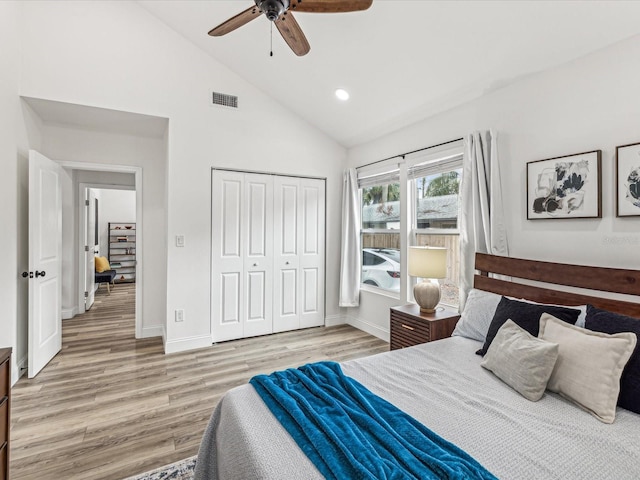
(427, 262)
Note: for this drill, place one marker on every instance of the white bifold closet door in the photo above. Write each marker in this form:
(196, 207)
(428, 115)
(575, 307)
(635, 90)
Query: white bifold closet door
(267, 272)
(298, 253)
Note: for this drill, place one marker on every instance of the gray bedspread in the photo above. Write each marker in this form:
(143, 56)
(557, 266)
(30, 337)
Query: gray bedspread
(442, 385)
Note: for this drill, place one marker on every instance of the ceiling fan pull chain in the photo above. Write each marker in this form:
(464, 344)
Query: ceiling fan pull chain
(271, 45)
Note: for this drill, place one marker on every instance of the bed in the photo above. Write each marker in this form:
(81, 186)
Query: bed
(443, 385)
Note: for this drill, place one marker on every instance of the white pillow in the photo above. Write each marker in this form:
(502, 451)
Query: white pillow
(521, 360)
(477, 315)
(581, 318)
(589, 365)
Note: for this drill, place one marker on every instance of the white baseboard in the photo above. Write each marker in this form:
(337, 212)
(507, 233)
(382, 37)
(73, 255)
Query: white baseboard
(332, 320)
(18, 369)
(188, 343)
(68, 313)
(152, 331)
(370, 328)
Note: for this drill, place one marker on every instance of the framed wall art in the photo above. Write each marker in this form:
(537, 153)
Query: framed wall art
(565, 187)
(628, 180)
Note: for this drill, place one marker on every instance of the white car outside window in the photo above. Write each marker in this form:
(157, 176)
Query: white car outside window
(381, 268)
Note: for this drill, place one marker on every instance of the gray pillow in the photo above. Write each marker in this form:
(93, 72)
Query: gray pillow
(521, 360)
(477, 315)
(589, 365)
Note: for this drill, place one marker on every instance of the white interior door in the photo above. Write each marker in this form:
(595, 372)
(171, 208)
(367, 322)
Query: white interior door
(312, 250)
(258, 255)
(45, 255)
(227, 269)
(286, 239)
(90, 249)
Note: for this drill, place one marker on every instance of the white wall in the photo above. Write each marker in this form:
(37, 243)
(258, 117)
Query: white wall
(114, 206)
(9, 114)
(138, 64)
(19, 131)
(588, 104)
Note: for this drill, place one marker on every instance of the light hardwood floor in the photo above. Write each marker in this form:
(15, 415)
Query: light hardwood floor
(109, 406)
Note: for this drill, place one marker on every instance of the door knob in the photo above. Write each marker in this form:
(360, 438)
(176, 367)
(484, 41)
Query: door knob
(255, 264)
(286, 263)
(27, 274)
(40, 274)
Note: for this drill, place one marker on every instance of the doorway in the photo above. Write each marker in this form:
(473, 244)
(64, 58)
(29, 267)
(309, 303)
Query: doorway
(110, 184)
(110, 239)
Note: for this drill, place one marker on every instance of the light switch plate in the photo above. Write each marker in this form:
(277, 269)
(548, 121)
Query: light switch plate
(179, 240)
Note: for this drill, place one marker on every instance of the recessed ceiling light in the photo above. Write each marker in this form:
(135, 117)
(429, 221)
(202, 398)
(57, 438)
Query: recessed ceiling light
(342, 94)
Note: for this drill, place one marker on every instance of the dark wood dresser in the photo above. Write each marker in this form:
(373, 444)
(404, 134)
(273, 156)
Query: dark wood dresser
(5, 398)
(411, 327)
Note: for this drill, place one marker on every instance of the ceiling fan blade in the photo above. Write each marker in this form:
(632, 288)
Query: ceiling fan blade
(292, 34)
(235, 22)
(329, 6)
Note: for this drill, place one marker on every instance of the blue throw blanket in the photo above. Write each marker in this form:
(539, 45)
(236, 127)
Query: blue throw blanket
(350, 433)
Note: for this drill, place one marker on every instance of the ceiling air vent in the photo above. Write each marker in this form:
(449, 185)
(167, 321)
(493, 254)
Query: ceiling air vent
(224, 100)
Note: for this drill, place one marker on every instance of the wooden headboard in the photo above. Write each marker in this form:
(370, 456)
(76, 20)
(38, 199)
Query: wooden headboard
(599, 279)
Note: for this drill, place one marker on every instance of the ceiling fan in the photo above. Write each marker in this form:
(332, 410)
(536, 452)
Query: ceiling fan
(280, 12)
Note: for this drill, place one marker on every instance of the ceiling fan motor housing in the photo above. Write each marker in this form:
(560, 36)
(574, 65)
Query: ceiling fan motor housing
(273, 8)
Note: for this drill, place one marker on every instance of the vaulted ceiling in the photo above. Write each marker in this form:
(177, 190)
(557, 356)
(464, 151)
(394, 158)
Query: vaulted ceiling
(401, 60)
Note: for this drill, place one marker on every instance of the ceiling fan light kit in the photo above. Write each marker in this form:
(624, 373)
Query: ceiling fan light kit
(280, 12)
(273, 8)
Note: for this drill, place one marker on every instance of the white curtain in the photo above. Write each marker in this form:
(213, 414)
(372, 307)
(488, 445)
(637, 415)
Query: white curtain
(482, 227)
(350, 253)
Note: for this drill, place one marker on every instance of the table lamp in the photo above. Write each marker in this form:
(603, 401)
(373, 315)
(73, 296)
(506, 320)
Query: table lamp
(428, 263)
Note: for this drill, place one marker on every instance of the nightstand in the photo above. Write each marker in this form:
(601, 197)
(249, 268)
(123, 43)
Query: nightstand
(411, 327)
(5, 409)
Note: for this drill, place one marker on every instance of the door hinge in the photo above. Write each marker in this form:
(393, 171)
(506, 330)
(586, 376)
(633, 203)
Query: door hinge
(86, 248)
(86, 202)
(86, 294)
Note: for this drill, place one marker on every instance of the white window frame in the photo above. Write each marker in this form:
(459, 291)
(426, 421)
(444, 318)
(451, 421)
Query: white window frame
(456, 150)
(372, 288)
(408, 230)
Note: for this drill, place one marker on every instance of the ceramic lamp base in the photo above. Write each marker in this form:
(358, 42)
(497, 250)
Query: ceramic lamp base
(427, 295)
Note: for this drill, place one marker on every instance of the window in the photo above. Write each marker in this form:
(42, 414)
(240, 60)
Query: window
(435, 189)
(431, 190)
(437, 200)
(380, 232)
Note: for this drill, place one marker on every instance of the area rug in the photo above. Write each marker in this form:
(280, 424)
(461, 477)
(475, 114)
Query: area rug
(182, 470)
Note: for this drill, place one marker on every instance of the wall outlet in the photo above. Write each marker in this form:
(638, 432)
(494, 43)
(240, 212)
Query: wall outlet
(180, 315)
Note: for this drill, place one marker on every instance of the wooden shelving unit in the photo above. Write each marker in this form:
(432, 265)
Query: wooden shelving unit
(122, 251)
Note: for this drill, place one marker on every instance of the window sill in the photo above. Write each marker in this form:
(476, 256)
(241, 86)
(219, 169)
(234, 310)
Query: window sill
(379, 291)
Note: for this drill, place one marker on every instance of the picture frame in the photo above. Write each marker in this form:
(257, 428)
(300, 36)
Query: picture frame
(569, 186)
(628, 180)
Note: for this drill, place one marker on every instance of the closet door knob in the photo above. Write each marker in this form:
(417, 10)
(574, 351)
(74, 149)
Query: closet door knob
(255, 264)
(286, 263)
(40, 274)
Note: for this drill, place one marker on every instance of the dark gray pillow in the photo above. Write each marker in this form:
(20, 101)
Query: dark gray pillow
(525, 315)
(608, 322)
